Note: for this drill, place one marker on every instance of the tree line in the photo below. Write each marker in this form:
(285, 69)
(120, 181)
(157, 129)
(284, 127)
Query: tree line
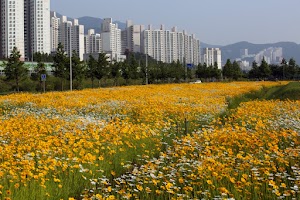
(99, 72)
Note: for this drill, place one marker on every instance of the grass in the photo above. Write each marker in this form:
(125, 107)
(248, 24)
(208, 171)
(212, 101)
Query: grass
(291, 91)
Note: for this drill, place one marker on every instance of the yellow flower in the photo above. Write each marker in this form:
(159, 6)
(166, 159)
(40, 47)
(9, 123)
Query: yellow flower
(111, 197)
(56, 180)
(8, 192)
(283, 185)
(232, 180)
(181, 180)
(243, 180)
(139, 187)
(223, 190)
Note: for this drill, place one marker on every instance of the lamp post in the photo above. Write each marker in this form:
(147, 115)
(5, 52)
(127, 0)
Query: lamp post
(71, 75)
(146, 69)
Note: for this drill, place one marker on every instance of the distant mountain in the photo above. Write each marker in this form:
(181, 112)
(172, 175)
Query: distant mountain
(205, 45)
(90, 23)
(93, 23)
(232, 51)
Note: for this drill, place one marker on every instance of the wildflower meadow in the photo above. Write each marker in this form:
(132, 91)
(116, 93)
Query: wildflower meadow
(149, 142)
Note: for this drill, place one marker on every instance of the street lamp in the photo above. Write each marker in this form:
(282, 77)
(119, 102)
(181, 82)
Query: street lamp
(146, 69)
(71, 79)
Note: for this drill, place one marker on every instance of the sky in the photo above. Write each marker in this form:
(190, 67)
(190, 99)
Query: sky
(218, 22)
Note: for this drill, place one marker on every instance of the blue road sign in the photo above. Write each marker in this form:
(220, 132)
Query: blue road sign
(189, 65)
(43, 77)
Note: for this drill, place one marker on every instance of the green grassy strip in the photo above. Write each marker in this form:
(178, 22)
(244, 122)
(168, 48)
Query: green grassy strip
(291, 91)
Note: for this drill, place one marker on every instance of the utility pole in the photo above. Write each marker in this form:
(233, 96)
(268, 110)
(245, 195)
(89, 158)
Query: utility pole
(71, 75)
(146, 69)
(185, 69)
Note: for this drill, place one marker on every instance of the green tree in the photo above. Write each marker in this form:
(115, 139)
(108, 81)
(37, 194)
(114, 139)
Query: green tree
(200, 71)
(228, 69)
(133, 67)
(276, 71)
(102, 66)
(125, 72)
(44, 57)
(91, 69)
(254, 72)
(78, 70)
(210, 71)
(177, 71)
(60, 62)
(217, 73)
(14, 68)
(283, 67)
(264, 69)
(115, 71)
(291, 69)
(236, 70)
(163, 71)
(39, 69)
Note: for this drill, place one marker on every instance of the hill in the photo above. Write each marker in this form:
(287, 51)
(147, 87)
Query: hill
(232, 51)
(93, 23)
(205, 45)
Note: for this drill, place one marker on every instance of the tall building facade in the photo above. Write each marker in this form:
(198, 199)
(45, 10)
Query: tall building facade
(111, 38)
(71, 36)
(272, 55)
(132, 37)
(92, 42)
(38, 27)
(168, 46)
(54, 31)
(78, 38)
(65, 29)
(25, 24)
(210, 56)
(11, 27)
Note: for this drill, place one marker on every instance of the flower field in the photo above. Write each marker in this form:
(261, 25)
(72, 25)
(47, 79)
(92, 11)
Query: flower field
(149, 142)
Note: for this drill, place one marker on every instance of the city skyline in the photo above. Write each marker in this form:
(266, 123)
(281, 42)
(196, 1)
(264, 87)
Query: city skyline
(213, 22)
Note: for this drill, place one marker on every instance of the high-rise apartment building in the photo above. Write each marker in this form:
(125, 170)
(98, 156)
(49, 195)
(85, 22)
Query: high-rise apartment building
(71, 36)
(191, 49)
(37, 27)
(92, 42)
(210, 56)
(25, 24)
(111, 38)
(78, 38)
(11, 27)
(244, 53)
(168, 46)
(272, 55)
(132, 37)
(54, 31)
(65, 29)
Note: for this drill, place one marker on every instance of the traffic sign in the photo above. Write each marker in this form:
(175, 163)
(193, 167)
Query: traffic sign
(43, 77)
(189, 65)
